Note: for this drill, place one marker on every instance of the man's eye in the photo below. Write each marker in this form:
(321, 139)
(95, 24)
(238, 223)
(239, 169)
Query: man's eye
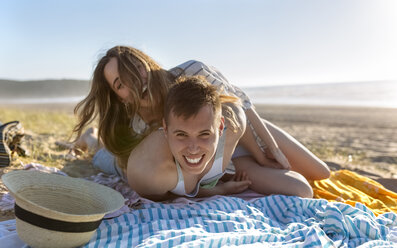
(204, 134)
(180, 135)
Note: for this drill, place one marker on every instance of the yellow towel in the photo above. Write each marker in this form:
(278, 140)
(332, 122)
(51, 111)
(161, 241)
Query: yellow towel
(350, 188)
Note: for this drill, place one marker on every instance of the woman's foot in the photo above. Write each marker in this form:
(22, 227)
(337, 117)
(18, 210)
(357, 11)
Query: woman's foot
(86, 143)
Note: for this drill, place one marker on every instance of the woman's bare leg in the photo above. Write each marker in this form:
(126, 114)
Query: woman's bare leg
(301, 159)
(265, 180)
(88, 141)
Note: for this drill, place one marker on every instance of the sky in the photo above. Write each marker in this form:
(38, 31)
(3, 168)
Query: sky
(252, 42)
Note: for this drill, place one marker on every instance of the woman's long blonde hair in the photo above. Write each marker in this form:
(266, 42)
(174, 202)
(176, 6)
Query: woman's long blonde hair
(113, 115)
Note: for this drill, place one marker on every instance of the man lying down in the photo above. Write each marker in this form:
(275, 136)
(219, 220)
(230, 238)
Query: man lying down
(201, 129)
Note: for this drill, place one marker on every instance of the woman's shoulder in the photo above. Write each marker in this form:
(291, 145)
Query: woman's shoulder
(191, 68)
(189, 65)
(191, 62)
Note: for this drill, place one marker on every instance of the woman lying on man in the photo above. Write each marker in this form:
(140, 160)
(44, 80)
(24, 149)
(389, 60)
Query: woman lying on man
(128, 92)
(201, 129)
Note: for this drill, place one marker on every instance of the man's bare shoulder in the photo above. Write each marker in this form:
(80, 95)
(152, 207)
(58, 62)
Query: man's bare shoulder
(151, 169)
(157, 180)
(155, 139)
(153, 150)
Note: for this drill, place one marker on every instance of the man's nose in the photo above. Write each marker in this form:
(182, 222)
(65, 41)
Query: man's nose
(193, 147)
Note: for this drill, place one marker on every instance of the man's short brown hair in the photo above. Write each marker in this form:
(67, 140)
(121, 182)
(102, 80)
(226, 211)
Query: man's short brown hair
(189, 95)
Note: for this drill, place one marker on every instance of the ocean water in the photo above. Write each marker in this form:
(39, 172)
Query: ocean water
(365, 94)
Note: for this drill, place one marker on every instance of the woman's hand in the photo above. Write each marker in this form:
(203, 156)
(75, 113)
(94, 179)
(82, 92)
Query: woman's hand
(282, 161)
(273, 156)
(237, 184)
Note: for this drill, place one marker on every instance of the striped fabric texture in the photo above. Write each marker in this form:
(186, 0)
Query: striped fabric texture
(274, 221)
(213, 76)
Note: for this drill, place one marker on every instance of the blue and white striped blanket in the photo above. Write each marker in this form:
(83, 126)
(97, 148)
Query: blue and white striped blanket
(269, 221)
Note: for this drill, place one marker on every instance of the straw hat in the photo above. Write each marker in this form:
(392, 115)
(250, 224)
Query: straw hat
(58, 211)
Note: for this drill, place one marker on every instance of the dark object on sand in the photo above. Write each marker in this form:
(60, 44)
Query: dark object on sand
(11, 134)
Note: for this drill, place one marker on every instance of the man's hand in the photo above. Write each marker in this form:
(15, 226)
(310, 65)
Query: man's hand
(237, 184)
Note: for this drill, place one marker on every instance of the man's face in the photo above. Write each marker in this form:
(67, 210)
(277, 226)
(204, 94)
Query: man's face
(193, 141)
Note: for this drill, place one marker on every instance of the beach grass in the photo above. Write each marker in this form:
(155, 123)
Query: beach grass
(39, 121)
(42, 129)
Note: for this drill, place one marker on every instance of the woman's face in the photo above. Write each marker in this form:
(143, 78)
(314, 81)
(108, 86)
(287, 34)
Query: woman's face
(111, 72)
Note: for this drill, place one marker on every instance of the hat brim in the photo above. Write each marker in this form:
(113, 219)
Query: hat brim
(60, 197)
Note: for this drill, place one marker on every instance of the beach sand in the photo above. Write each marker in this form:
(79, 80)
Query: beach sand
(355, 138)
(363, 140)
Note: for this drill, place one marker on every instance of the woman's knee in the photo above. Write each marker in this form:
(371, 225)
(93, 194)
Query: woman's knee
(323, 172)
(301, 158)
(301, 187)
(268, 181)
(290, 183)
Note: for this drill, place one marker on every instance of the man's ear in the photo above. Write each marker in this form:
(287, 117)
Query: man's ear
(221, 125)
(164, 127)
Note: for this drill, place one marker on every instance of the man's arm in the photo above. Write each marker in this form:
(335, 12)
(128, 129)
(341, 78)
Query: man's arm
(151, 176)
(155, 184)
(237, 184)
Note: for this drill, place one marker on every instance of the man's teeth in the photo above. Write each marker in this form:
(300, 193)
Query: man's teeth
(194, 160)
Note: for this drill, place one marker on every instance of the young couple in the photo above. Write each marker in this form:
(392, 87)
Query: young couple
(128, 96)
